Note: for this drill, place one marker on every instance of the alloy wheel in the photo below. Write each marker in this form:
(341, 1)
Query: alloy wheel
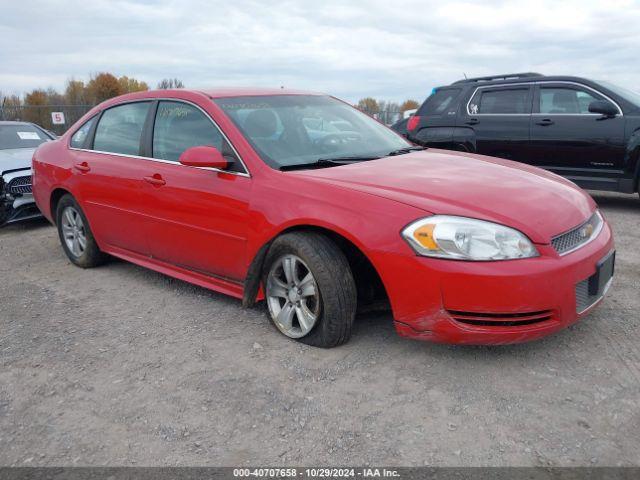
(73, 231)
(292, 296)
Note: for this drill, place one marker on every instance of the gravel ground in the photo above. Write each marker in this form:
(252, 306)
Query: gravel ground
(123, 366)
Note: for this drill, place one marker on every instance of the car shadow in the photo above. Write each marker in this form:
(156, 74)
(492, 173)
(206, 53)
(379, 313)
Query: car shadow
(372, 330)
(25, 226)
(617, 201)
(376, 329)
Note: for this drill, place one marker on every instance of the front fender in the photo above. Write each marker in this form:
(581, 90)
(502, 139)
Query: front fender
(370, 223)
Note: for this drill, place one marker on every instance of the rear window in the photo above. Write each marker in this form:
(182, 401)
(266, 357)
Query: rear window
(21, 136)
(120, 128)
(508, 101)
(439, 101)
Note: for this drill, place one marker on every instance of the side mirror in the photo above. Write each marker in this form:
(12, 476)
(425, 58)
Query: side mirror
(204, 156)
(603, 107)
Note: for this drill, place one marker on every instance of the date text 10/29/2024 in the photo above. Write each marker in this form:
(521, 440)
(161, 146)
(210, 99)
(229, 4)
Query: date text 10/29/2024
(315, 473)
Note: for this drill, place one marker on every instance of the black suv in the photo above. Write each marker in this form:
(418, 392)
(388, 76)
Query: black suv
(586, 131)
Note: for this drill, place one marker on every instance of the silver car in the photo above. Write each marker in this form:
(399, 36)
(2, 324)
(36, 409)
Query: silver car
(18, 141)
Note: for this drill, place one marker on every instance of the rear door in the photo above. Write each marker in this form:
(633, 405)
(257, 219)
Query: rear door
(569, 140)
(197, 216)
(499, 117)
(109, 175)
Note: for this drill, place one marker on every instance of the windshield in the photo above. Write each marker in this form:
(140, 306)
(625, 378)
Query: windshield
(290, 130)
(21, 136)
(627, 94)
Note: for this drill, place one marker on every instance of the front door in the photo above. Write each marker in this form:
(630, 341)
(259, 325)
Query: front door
(499, 117)
(197, 217)
(567, 139)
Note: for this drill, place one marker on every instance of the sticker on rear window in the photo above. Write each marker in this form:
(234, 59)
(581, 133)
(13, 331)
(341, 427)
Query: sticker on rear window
(28, 135)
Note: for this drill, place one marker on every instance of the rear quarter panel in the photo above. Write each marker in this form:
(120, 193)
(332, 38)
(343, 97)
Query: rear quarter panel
(632, 153)
(51, 170)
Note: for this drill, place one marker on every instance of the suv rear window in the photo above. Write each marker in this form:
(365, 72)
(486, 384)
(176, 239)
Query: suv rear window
(512, 100)
(439, 101)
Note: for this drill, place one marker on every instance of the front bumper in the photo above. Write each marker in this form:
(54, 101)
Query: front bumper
(16, 206)
(492, 302)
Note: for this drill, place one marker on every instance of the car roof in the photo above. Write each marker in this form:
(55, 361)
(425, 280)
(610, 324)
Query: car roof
(221, 92)
(184, 93)
(511, 78)
(252, 92)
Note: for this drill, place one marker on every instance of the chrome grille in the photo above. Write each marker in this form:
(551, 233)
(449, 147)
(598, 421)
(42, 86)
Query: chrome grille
(579, 236)
(19, 185)
(583, 299)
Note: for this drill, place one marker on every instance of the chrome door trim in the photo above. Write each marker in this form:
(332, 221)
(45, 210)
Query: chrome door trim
(519, 84)
(159, 160)
(587, 88)
(246, 173)
(565, 82)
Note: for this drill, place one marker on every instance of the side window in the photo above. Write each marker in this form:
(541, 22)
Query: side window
(120, 128)
(179, 126)
(439, 101)
(78, 138)
(506, 101)
(565, 100)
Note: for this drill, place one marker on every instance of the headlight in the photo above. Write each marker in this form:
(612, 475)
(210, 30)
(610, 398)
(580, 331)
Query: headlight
(463, 238)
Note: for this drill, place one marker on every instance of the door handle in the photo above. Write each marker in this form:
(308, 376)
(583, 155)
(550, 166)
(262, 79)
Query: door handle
(156, 180)
(545, 122)
(82, 167)
(472, 121)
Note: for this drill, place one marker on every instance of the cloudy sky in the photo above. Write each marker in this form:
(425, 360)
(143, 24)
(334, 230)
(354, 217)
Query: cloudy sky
(388, 49)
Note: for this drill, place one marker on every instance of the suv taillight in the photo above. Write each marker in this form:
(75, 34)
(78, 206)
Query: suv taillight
(413, 123)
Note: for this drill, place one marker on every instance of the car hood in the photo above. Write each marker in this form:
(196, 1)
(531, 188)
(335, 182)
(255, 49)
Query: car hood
(15, 159)
(534, 201)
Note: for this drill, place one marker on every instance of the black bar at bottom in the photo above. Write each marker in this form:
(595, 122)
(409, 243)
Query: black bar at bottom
(395, 473)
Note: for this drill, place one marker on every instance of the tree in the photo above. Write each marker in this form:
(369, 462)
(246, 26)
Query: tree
(11, 107)
(102, 87)
(369, 105)
(54, 98)
(12, 101)
(128, 85)
(37, 97)
(75, 92)
(169, 83)
(36, 102)
(408, 105)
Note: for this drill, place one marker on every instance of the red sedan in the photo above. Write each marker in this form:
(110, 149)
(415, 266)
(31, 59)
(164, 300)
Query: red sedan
(303, 201)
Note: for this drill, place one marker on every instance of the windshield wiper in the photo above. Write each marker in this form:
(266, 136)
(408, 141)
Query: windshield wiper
(402, 151)
(329, 162)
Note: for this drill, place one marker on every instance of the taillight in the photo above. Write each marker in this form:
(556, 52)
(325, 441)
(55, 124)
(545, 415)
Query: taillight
(413, 123)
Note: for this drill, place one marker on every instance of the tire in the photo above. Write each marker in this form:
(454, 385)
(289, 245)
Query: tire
(330, 306)
(76, 234)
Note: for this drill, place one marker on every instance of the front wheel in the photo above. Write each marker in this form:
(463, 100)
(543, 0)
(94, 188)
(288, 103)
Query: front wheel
(309, 289)
(75, 234)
